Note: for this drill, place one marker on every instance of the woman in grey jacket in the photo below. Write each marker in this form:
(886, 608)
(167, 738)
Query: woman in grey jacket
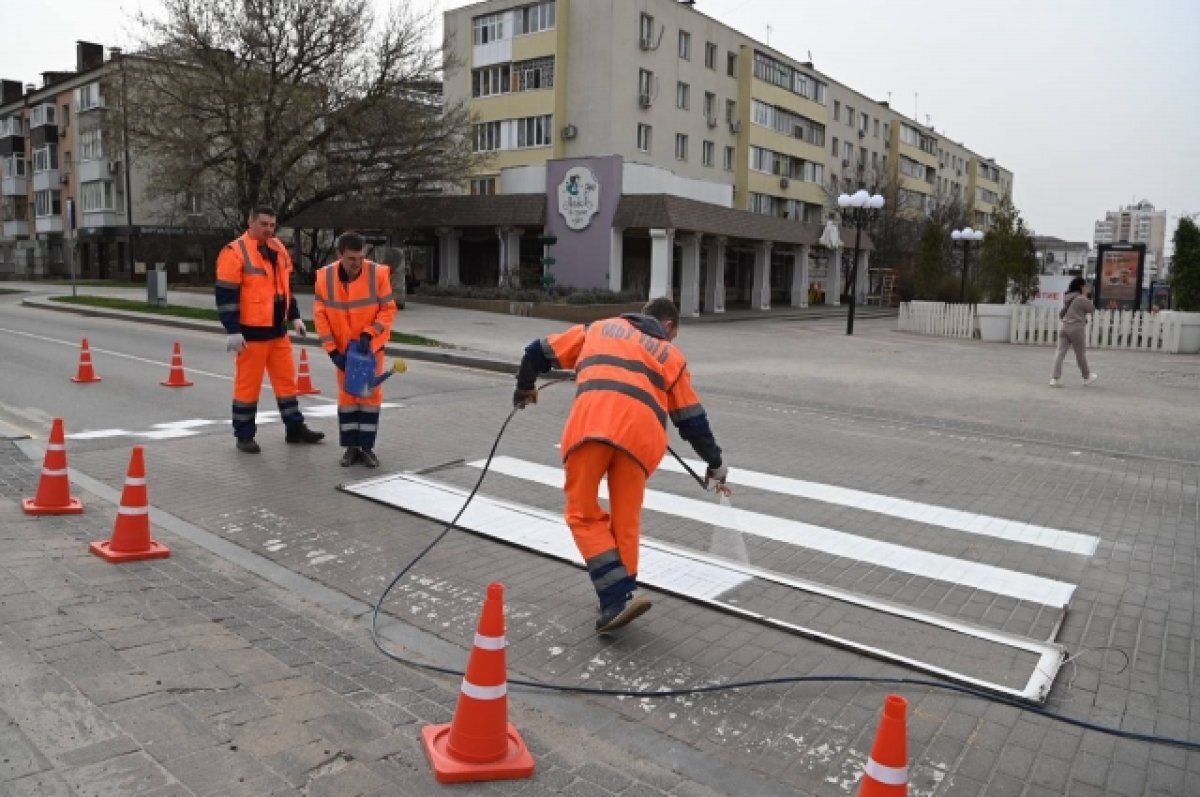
(1077, 306)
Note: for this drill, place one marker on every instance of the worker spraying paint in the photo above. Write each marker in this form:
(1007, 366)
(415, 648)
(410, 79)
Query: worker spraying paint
(630, 379)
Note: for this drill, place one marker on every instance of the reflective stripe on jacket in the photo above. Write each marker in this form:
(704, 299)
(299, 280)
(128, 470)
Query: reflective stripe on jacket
(343, 311)
(249, 289)
(628, 383)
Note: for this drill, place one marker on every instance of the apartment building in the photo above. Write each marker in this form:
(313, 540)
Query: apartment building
(72, 198)
(1139, 223)
(679, 105)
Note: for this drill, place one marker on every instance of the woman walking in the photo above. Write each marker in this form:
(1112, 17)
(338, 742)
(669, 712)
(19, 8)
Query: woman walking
(1077, 306)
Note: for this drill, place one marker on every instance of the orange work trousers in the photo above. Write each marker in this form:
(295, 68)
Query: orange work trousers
(597, 532)
(274, 357)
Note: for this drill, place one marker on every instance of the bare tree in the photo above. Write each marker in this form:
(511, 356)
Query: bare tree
(291, 103)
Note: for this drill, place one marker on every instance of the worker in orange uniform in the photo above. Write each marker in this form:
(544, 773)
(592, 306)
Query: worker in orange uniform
(353, 306)
(629, 380)
(255, 304)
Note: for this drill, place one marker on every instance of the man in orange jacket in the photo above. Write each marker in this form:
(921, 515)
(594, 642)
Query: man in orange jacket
(254, 303)
(629, 380)
(353, 306)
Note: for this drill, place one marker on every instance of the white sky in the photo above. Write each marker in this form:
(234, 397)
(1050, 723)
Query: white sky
(1091, 103)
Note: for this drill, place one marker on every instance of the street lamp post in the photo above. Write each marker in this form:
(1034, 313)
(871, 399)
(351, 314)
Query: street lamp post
(966, 235)
(860, 210)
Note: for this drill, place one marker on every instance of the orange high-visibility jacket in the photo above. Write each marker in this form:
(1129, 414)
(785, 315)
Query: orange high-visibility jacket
(344, 311)
(244, 273)
(628, 384)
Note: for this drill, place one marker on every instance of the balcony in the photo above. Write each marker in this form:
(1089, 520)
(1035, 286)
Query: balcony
(48, 224)
(90, 171)
(14, 186)
(15, 229)
(47, 180)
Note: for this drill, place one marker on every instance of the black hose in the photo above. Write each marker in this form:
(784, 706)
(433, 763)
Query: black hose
(730, 685)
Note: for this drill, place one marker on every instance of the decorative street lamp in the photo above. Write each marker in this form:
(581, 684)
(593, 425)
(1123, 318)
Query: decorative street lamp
(966, 235)
(859, 209)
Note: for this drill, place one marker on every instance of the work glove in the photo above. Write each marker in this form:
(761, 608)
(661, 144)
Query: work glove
(339, 359)
(522, 397)
(235, 342)
(364, 343)
(717, 474)
(300, 327)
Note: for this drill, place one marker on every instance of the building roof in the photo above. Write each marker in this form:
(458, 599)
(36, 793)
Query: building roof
(459, 210)
(663, 211)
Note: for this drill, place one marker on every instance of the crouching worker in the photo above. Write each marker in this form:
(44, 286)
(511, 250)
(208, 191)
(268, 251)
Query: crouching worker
(353, 307)
(629, 379)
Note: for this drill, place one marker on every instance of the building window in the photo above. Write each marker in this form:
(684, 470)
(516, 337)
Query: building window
(910, 136)
(646, 83)
(729, 157)
(535, 18)
(876, 128)
(643, 137)
(731, 64)
(46, 203)
(862, 122)
(88, 97)
(646, 28)
(710, 55)
(533, 75)
(834, 149)
(774, 71)
(489, 28)
(685, 45)
(731, 111)
(12, 166)
(683, 95)
(708, 152)
(41, 115)
(65, 117)
(791, 124)
(680, 147)
(534, 131)
(45, 158)
(483, 186)
(96, 196)
(487, 137)
(91, 145)
(849, 116)
(491, 80)
(710, 108)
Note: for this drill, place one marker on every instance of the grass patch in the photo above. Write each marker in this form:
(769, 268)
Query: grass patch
(6, 291)
(202, 314)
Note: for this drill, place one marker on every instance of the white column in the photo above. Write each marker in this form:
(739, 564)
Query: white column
(448, 255)
(864, 276)
(760, 291)
(689, 290)
(616, 259)
(660, 263)
(800, 277)
(833, 284)
(714, 284)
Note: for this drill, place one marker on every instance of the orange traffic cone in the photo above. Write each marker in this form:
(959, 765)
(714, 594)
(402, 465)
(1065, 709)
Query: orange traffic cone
(54, 490)
(176, 377)
(131, 534)
(86, 372)
(304, 385)
(886, 773)
(480, 743)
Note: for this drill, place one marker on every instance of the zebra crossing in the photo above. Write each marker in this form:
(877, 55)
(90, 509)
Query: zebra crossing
(1029, 666)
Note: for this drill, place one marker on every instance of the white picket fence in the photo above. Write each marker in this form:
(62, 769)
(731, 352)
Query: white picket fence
(1107, 329)
(935, 318)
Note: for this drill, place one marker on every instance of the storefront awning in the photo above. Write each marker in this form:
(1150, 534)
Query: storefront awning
(425, 212)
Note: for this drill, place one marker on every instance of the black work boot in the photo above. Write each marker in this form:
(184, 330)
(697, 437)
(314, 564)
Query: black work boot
(622, 613)
(300, 433)
(353, 454)
(248, 445)
(368, 458)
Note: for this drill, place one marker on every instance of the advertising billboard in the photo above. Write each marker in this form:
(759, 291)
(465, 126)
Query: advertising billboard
(1119, 273)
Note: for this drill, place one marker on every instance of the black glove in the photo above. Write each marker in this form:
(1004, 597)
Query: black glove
(364, 343)
(339, 359)
(522, 397)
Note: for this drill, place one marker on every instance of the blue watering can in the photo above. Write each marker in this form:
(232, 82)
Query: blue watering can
(361, 378)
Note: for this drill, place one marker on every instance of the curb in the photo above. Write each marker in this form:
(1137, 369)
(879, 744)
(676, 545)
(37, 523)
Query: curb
(419, 353)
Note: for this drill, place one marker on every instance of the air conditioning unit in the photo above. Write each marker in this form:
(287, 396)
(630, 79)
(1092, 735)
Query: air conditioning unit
(845, 162)
(646, 43)
(114, 167)
(712, 121)
(644, 100)
(735, 126)
(569, 132)
(62, 132)
(784, 182)
(862, 133)
(64, 178)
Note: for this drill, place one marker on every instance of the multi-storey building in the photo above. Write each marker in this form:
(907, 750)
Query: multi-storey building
(663, 101)
(1140, 223)
(72, 198)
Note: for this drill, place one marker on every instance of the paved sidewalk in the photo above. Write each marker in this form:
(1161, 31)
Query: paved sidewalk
(193, 676)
